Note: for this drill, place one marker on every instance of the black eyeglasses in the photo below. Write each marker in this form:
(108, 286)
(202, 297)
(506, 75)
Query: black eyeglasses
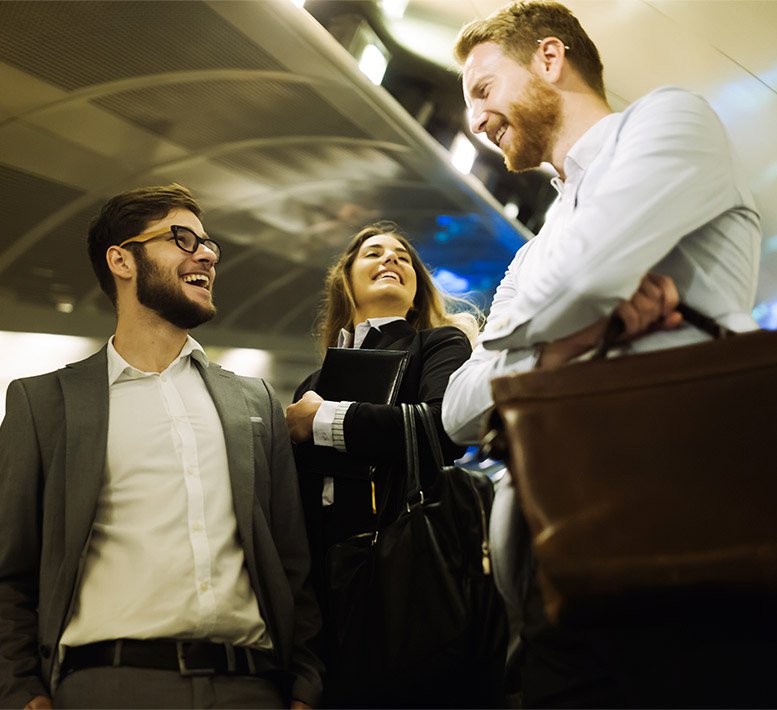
(185, 239)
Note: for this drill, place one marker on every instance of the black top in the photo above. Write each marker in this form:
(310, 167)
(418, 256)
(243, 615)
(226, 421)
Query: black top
(374, 434)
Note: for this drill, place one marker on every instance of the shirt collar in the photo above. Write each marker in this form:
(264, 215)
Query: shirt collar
(587, 147)
(348, 339)
(118, 367)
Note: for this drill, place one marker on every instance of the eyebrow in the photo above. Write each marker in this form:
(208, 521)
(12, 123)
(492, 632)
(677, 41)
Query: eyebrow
(381, 246)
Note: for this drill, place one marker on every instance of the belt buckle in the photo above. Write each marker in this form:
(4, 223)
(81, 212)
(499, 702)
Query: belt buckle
(184, 670)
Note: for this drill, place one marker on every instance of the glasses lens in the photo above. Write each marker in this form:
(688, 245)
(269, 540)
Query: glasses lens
(189, 241)
(215, 248)
(186, 239)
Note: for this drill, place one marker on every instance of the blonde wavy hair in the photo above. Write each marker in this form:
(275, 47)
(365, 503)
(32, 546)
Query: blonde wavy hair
(431, 307)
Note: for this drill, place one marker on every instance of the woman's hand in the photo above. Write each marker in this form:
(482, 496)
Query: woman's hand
(300, 415)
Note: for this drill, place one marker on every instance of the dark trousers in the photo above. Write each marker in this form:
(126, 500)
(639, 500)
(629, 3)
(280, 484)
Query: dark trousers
(125, 687)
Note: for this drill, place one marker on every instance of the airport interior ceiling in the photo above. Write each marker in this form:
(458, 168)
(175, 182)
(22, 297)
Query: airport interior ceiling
(260, 107)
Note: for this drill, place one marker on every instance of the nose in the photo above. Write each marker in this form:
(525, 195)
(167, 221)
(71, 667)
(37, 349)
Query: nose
(478, 119)
(205, 255)
(390, 255)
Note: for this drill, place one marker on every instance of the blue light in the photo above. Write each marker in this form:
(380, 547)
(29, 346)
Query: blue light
(766, 315)
(450, 282)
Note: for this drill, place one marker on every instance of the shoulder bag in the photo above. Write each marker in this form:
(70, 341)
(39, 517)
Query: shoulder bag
(414, 598)
(649, 473)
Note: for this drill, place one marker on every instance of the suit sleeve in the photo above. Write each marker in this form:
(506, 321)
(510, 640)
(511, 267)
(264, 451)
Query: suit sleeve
(20, 517)
(288, 531)
(376, 432)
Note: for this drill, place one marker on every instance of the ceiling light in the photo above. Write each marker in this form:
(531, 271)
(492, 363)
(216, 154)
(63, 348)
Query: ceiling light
(395, 8)
(463, 153)
(511, 210)
(64, 306)
(373, 63)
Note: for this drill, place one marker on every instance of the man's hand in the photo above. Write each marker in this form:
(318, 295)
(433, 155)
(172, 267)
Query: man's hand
(40, 702)
(299, 705)
(651, 308)
(300, 415)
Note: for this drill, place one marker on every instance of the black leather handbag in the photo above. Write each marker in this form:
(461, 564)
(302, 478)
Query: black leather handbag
(414, 599)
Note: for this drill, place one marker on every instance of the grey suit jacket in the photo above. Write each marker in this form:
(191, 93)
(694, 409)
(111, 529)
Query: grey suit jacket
(52, 455)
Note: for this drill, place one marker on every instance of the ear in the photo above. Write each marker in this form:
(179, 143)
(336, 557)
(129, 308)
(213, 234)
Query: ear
(550, 59)
(120, 262)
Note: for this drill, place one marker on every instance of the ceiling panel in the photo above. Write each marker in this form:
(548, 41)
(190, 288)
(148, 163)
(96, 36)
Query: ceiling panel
(288, 147)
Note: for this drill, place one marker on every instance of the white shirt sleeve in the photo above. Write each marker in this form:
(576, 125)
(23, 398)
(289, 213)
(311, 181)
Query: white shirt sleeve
(328, 424)
(662, 190)
(468, 395)
(667, 174)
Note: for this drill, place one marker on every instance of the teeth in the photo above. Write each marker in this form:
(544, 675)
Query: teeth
(388, 275)
(499, 134)
(195, 278)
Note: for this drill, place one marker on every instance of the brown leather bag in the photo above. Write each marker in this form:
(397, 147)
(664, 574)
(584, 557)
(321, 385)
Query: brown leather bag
(651, 472)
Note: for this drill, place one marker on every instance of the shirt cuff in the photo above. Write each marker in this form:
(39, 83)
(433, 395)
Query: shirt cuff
(338, 435)
(328, 424)
(322, 423)
(521, 360)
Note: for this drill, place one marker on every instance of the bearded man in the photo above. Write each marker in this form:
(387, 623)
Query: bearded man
(153, 550)
(657, 189)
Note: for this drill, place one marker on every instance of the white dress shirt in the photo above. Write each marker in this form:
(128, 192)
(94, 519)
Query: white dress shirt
(655, 188)
(163, 559)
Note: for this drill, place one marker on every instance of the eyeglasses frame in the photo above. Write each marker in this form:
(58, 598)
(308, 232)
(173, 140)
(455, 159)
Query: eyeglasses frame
(173, 229)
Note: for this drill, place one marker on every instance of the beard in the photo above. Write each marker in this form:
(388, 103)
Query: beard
(535, 121)
(155, 292)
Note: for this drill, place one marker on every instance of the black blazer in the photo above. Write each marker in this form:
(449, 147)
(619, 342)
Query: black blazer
(374, 434)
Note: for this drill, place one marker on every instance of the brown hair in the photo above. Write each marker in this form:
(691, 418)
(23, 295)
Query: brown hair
(126, 215)
(430, 306)
(517, 27)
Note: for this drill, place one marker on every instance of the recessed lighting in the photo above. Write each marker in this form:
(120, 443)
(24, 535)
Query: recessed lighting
(395, 8)
(463, 153)
(511, 210)
(373, 63)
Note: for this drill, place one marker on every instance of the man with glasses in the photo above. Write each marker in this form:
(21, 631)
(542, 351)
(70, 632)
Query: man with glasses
(153, 550)
(655, 188)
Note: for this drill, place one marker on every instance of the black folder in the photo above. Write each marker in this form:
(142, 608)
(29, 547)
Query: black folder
(354, 375)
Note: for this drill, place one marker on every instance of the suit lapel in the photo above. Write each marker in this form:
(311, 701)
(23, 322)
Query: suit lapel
(227, 395)
(85, 396)
(395, 334)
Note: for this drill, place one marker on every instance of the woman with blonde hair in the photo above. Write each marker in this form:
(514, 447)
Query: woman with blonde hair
(380, 295)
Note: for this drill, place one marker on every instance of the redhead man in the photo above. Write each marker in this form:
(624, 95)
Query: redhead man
(656, 189)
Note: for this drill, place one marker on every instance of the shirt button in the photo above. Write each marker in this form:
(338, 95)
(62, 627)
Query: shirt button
(204, 586)
(196, 526)
(325, 437)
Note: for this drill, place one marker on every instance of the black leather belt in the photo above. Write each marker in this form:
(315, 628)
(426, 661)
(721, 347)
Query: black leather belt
(189, 658)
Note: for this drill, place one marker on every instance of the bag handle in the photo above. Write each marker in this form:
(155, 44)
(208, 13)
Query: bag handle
(615, 328)
(413, 492)
(431, 433)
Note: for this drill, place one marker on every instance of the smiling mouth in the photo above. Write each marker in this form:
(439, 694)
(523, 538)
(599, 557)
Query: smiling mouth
(388, 275)
(499, 134)
(201, 280)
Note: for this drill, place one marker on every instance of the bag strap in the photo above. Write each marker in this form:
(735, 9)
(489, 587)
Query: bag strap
(432, 436)
(413, 492)
(615, 328)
